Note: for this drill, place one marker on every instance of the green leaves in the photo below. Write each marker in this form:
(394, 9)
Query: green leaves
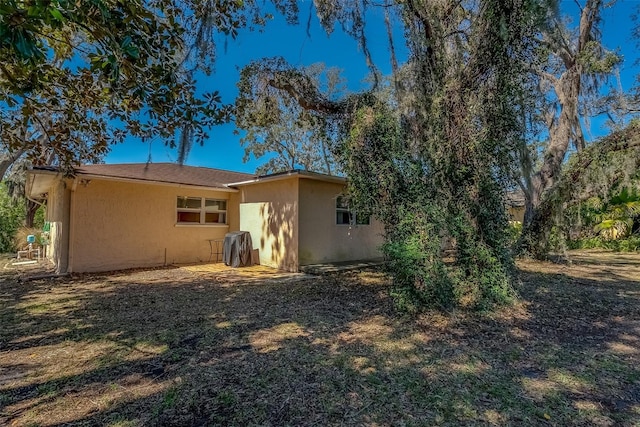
(56, 14)
(78, 76)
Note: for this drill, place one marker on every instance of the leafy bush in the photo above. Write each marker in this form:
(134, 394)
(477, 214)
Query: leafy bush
(11, 218)
(420, 277)
(40, 217)
(475, 278)
(514, 231)
(629, 244)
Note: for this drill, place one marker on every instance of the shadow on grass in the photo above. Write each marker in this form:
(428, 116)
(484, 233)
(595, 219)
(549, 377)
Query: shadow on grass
(189, 350)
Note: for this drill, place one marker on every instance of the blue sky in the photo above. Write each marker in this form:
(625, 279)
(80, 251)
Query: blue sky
(223, 149)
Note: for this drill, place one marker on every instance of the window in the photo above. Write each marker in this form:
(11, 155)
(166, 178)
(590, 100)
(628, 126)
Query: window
(346, 216)
(343, 215)
(200, 210)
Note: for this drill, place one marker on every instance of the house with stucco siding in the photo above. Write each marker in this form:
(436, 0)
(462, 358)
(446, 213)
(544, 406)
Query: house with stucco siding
(118, 216)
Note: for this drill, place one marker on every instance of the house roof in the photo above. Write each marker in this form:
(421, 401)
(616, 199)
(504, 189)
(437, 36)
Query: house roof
(296, 173)
(41, 177)
(166, 172)
(171, 173)
(515, 198)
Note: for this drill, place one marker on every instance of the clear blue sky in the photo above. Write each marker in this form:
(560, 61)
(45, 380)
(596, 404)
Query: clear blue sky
(223, 149)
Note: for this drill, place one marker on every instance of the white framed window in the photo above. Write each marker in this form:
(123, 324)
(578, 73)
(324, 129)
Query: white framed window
(347, 216)
(200, 210)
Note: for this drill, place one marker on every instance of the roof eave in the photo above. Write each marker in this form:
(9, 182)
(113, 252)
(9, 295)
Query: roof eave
(288, 175)
(220, 187)
(39, 181)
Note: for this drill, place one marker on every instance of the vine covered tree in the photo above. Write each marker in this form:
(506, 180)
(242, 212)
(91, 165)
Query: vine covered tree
(434, 163)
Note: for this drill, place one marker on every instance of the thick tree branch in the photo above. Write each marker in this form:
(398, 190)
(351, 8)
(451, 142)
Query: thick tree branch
(587, 19)
(306, 95)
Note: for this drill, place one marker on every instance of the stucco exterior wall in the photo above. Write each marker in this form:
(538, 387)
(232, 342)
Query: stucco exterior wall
(269, 211)
(58, 217)
(118, 225)
(516, 213)
(233, 211)
(321, 239)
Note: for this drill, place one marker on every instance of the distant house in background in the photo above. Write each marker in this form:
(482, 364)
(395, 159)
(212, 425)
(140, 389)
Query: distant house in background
(121, 216)
(516, 205)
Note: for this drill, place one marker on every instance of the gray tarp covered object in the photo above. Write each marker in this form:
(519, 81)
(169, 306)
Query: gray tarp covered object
(237, 248)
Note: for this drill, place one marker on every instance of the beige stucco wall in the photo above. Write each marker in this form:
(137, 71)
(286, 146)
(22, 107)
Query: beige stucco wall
(321, 239)
(118, 225)
(58, 217)
(516, 213)
(233, 211)
(269, 211)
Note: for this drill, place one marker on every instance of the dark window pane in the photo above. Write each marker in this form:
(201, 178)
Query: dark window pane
(188, 216)
(343, 217)
(215, 217)
(215, 205)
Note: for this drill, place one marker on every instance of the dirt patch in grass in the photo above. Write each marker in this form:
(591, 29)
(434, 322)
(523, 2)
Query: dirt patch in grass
(192, 346)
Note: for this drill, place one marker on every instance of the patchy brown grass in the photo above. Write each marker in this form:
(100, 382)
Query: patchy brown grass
(208, 346)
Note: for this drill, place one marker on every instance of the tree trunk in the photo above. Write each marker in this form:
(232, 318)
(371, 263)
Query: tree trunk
(32, 207)
(567, 89)
(561, 133)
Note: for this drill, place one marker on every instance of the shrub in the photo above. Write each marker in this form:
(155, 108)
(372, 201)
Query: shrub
(514, 231)
(11, 217)
(629, 244)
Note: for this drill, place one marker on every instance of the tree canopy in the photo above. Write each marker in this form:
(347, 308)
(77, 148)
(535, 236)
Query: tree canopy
(77, 77)
(295, 137)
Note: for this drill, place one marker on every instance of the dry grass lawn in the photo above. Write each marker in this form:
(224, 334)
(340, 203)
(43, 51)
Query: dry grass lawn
(201, 346)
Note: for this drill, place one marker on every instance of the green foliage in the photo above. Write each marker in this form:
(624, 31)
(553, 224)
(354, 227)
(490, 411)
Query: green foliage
(514, 232)
(596, 60)
(420, 276)
(76, 77)
(611, 223)
(613, 218)
(39, 217)
(390, 182)
(11, 218)
(579, 199)
(616, 218)
(629, 244)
